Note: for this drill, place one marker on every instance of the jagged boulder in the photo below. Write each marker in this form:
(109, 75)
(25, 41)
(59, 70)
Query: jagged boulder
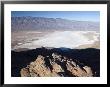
(57, 66)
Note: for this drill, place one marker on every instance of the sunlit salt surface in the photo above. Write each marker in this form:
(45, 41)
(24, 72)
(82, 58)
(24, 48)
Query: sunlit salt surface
(57, 39)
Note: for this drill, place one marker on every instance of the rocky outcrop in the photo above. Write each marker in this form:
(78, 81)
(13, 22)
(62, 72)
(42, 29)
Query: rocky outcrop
(56, 65)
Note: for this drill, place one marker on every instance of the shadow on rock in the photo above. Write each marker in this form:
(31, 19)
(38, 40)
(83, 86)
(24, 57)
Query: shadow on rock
(89, 57)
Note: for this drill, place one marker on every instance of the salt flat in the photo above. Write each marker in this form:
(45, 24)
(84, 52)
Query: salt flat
(57, 39)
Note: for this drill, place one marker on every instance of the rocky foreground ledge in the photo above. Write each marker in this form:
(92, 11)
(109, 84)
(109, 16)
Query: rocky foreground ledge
(56, 66)
(56, 62)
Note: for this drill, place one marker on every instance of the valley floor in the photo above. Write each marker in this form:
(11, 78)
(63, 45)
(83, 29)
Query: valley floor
(55, 39)
(55, 53)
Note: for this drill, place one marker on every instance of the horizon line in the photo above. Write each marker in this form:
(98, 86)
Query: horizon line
(56, 18)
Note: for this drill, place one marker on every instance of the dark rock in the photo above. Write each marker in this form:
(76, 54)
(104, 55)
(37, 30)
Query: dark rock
(56, 62)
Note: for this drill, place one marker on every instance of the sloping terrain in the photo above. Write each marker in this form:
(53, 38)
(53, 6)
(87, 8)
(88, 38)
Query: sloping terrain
(42, 23)
(54, 47)
(61, 62)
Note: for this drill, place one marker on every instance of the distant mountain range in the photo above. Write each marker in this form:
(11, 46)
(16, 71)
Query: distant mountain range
(42, 23)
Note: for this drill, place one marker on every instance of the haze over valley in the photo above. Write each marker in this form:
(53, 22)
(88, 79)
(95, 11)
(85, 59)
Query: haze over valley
(35, 32)
(55, 44)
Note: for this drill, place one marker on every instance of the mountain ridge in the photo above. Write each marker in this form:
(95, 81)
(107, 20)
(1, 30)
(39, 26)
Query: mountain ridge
(52, 59)
(43, 23)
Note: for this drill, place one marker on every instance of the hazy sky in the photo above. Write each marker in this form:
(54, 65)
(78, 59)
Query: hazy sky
(71, 15)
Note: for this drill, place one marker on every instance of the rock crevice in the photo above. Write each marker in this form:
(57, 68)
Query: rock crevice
(56, 65)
